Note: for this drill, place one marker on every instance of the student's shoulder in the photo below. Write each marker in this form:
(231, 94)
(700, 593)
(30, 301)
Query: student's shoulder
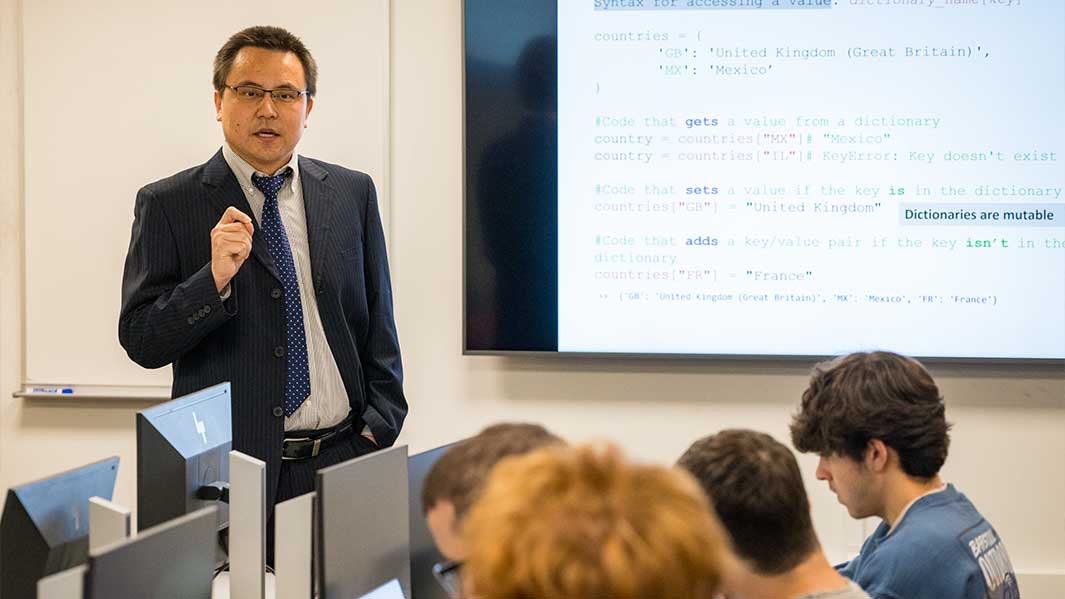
(916, 563)
(938, 526)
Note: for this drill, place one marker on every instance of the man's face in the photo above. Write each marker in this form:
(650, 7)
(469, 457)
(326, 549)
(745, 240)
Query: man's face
(853, 483)
(263, 132)
(443, 526)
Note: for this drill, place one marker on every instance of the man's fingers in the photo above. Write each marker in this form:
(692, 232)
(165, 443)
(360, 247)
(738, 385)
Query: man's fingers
(230, 245)
(232, 228)
(227, 239)
(226, 245)
(231, 241)
(233, 248)
(232, 215)
(234, 232)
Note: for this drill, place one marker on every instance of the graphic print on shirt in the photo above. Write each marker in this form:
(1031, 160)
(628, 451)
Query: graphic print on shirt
(988, 551)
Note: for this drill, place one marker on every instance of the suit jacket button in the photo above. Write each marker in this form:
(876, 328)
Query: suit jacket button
(279, 351)
(278, 411)
(275, 293)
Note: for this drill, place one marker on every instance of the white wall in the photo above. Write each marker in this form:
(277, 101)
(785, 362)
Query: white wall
(10, 217)
(1008, 440)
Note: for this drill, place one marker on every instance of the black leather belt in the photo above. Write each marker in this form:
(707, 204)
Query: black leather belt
(308, 444)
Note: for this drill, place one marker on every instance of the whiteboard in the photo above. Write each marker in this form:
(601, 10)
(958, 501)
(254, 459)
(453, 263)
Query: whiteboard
(118, 94)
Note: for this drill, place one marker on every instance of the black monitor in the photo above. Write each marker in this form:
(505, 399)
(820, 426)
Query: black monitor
(423, 552)
(45, 525)
(172, 560)
(182, 450)
(361, 525)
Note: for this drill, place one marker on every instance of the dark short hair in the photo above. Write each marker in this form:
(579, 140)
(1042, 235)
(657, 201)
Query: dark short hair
(460, 474)
(879, 395)
(268, 38)
(755, 486)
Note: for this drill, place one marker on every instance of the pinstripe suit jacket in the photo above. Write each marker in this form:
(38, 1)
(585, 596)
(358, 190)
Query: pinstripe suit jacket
(171, 312)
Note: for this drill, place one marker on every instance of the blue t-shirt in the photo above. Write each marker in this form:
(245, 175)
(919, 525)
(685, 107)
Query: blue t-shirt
(941, 549)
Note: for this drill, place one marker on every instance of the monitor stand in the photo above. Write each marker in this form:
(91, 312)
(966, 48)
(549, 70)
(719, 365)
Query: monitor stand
(108, 523)
(293, 522)
(247, 526)
(68, 584)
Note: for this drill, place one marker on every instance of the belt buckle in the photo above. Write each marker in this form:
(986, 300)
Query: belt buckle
(317, 447)
(293, 441)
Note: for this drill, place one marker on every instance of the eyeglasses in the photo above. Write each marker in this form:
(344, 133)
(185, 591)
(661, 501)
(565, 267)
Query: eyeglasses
(251, 93)
(449, 575)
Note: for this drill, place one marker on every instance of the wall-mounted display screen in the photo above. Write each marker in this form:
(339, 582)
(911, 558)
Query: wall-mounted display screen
(765, 178)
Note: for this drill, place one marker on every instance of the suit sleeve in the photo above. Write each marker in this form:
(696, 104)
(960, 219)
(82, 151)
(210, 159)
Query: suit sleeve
(381, 363)
(163, 314)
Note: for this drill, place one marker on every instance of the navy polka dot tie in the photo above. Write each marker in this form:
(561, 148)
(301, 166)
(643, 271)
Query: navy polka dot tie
(298, 382)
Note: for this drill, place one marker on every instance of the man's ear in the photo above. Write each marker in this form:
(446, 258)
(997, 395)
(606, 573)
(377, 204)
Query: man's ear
(217, 106)
(877, 455)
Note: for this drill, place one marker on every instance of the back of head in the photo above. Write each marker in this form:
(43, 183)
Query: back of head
(880, 395)
(582, 523)
(757, 491)
(460, 474)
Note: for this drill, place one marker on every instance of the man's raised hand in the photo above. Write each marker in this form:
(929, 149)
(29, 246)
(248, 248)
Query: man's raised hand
(230, 245)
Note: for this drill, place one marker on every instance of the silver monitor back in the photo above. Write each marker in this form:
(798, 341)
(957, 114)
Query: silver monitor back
(362, 525)
(45, 525)
(182, 445)
(172, 560)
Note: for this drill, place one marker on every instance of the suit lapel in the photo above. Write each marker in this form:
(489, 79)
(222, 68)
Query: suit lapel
(225, 192)
(319, 201)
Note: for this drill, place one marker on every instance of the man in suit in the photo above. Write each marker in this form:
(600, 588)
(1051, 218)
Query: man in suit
(268, 269)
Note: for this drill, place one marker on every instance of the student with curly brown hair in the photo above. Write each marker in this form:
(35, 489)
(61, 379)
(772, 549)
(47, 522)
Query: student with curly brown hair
(878, 422)
(584, 523)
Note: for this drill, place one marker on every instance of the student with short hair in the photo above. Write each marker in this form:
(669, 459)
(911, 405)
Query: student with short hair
(756, 488)
(458, 477)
